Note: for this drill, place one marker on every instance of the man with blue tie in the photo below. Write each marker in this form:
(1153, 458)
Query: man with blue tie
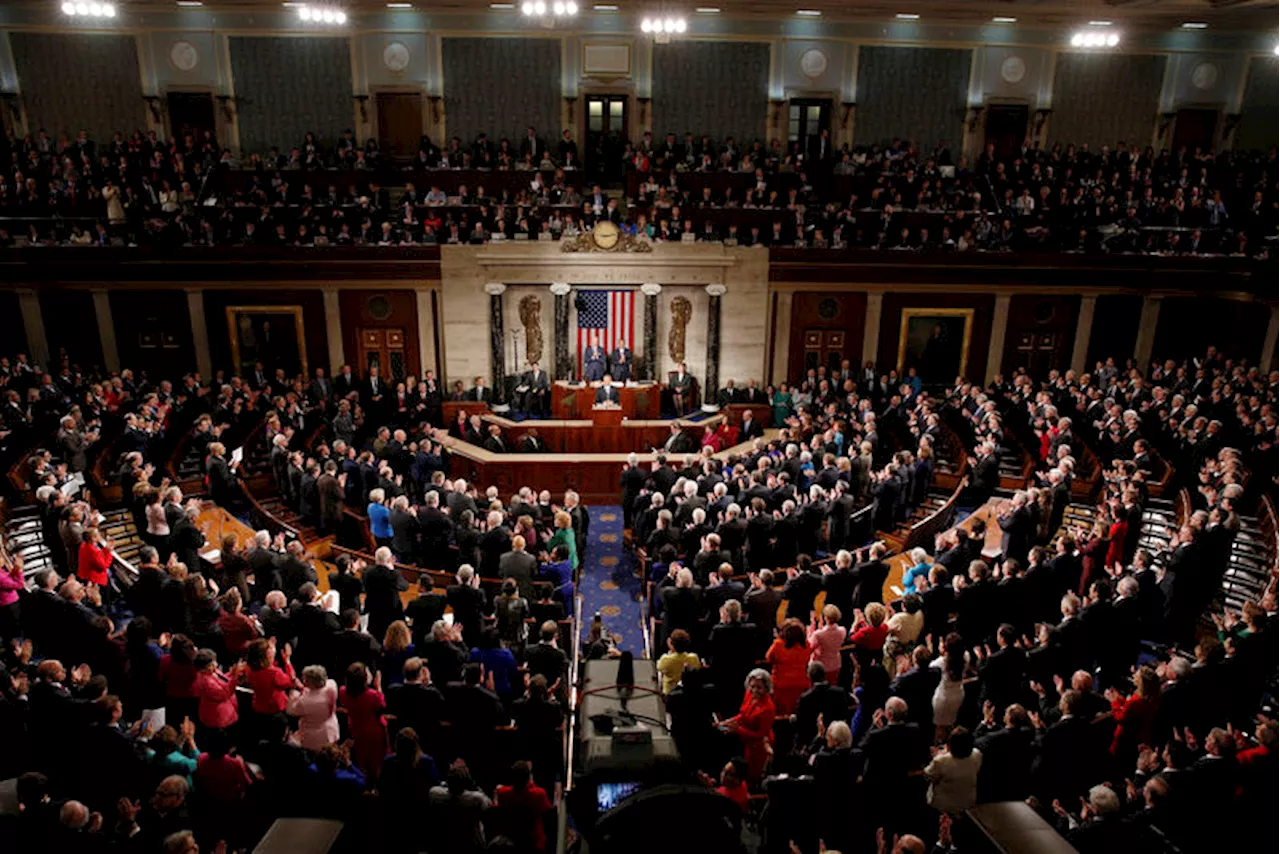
(608, 392)
(593, 367)
(620, 361)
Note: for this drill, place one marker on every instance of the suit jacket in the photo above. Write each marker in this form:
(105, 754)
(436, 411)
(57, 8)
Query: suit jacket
(404, 533)
(593, 363)
(382, 588)
(521, 566)
(620, 360)
(294, 573)
(891, 753)
(607, 393)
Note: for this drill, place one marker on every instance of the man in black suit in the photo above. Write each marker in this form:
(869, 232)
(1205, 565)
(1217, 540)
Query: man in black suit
(383, 585)
(677, 442)
(314, 627)
(722, 589)
(532, 147)
(1061, 770)
(295, 571)
(468, 601)
(416, 703)
(320, 389)
(495, 444)
(520, 565)
(404, 530)
(871, 575)
(1007, 752)
(534, 399)
(733, 648)
(915, 687)
(750, 428)
(1018, 526)
(727, 395)
(985, 468)
(681, 604)
(620, 361)
(893, 748)
(479, 391)
(608, 392)
(761, 603)
(374, 392)
(820, 699)
(345, 382)
(351, 645)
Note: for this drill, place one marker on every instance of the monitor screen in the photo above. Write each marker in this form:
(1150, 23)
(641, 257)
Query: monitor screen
(609, 795)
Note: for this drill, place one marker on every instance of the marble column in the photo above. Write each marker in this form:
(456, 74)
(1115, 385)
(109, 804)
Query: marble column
(651, 291)
(714, 293)
(333, 332)
(999, 325)
(871, 327)
(199, 332)
(33, 324)
(497, 340)
(1084, 331)
(426, 332)
(106, 329)
(1147, 323)
(1268, 360)
(781, 370)
(562, 368)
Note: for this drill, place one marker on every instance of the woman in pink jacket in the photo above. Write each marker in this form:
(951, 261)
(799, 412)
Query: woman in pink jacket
(10, 585)
(316, 709)
(216, 691)
(825, 641)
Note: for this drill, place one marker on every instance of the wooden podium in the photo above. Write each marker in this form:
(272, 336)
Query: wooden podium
(607, 417)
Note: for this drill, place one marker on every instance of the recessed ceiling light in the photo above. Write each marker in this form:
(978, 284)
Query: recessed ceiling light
(809, 13)
(605, 7)
(707, 10)
(499, 6)
(399, 5)
(906, 16)
(1099, 23)
(190, 3)
(1195, 25)
(1000, 19)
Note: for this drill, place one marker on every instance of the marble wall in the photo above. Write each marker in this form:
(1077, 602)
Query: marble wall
(681, 270)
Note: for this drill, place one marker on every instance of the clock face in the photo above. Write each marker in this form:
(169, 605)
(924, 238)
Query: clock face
(1204, 76)
(1013, 69)
(183, 55)
(605, 234)
(813, 63)
(395, 57)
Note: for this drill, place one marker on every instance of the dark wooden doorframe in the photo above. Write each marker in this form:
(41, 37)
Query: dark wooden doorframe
(1006, 127)
(1195, 127)
(191, 114)
(400, 116)
(607, 120)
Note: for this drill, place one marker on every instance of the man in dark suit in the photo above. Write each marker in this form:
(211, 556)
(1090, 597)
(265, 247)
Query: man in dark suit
(383, 585)
(479, 391)
(329, 488)
(1018, 526)
(314, 628)
(750, 428)
(915, 687)
(345, 382)
(520, 565)
(494, 543)
(320, 389)
(468, 601)
(593, 363)
(532, 147)
(1007, 752)
(986, 476)
(820, 699)
(295, 571)
(1061, 770)
(620, 362)
(677, 442)
(893, 748)
(416, 703)
(374, 392)
(351, 645)
(871, 575)
(681, 605)
(608, 392)
(404, 530)
(535, 399)
(495, 444)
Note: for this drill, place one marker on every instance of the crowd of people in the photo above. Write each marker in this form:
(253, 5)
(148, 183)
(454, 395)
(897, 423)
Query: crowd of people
(141, 189)
(1073, 668)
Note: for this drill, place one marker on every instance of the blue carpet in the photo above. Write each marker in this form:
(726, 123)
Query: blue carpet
(609, 585)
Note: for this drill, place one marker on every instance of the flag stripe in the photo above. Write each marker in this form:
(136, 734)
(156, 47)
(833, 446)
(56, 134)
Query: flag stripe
(606, 317)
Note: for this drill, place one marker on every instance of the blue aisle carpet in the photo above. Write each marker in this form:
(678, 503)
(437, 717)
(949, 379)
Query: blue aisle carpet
(609, 584)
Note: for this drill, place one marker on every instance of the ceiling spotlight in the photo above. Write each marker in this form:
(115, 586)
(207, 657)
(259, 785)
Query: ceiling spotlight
(82, 8)
(646, 26)
(88, 10)
(809, 13)
(1002, 19)
(304, 14)
(681, 26)
(1099, 23)
(108, 10)
(557, 7)
(1113, 40)
(1195, 25)
(539, 8)
(907, 16)
(571, 8)
(68, 8)
(527, 8)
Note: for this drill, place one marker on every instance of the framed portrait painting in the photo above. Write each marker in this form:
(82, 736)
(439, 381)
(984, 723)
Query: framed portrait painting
(935, 341)
(271, 334)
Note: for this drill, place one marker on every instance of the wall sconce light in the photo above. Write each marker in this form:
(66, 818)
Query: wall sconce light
(975, 117)
(363, 100)
(228, 103)
(154, 105)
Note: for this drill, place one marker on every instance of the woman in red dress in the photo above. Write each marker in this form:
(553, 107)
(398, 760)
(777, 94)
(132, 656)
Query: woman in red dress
(789, 657)
(364, 705)
(1092, 553)
(1115, 544)
(1135, 716)
(754, 722)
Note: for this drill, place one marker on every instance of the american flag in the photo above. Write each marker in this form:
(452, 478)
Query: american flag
(604, 318)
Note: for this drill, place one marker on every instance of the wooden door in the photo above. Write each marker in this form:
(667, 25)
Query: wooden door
(385, 349)
(606, 136)
(824, 347)
(807, 118)
(1194, 129)
(190, 114)
(1006, 127)
(399, 122)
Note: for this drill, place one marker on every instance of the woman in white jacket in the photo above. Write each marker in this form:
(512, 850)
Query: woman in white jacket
(953, 774)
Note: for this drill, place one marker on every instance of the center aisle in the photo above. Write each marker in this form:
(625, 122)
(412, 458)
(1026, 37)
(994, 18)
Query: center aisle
(609, 585)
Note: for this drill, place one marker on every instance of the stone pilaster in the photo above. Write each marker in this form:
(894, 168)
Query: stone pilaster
(651, 291)
(562, 369)
(199, 332)
(33, 325)
(106, 329)
(714, 293)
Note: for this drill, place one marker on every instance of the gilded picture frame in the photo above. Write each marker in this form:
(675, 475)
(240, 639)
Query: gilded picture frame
(916, 348)
(249, 329)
